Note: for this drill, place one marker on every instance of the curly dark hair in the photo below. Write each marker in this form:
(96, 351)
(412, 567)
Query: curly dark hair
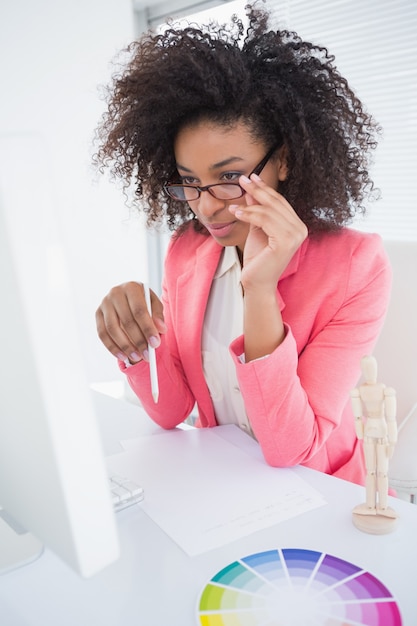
(286, 90)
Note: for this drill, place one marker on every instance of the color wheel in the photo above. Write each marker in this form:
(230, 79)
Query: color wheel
(293, 587)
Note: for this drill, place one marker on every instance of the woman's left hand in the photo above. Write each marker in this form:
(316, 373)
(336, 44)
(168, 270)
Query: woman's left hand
(275, 233)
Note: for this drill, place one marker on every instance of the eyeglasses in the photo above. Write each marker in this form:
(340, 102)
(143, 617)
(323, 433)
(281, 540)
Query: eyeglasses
(221, 191)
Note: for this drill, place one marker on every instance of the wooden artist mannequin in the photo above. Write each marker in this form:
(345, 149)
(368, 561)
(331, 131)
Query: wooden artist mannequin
(374, 409)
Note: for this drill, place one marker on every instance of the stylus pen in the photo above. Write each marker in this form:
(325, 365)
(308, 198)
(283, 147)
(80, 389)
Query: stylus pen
(151, 351)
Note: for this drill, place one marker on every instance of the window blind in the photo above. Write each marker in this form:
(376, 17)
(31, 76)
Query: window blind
(375, 45)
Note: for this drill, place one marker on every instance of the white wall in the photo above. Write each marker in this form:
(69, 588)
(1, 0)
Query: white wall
(54, 55)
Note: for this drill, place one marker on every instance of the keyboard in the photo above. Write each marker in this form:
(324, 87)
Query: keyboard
(124, 492)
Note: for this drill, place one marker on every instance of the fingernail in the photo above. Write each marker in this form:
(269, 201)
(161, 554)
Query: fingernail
(134, 357)
(122, 357)
(256, 177)
(236, 210)
(154, 341)
(245, 179)
(145, 355)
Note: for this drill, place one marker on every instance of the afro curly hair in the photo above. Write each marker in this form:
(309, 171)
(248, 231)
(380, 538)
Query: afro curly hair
(284, 89)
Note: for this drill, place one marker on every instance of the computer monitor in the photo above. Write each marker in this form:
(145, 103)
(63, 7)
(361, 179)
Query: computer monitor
(53, 479)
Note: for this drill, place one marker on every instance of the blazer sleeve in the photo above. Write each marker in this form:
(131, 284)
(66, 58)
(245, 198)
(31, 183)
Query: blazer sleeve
(176, 400)
(296, 397)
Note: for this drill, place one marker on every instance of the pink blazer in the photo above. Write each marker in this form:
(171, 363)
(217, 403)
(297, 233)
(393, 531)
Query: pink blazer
(333, 297)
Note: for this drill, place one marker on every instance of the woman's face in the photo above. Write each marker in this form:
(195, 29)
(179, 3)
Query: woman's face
(207, 153)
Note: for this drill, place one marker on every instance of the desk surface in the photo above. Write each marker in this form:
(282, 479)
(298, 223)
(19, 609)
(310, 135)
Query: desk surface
(155, 583)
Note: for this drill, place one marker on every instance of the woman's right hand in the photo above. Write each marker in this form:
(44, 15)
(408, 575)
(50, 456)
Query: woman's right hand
(124, 324)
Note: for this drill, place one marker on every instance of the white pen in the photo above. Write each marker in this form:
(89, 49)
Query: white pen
(151, 351)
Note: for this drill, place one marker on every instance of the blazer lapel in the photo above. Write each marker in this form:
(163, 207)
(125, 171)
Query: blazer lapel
(193, 289)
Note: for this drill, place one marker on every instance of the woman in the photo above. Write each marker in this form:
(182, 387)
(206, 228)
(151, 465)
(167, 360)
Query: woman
(254, 149)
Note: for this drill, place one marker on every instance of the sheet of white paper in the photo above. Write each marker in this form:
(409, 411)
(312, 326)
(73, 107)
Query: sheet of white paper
(205, 492)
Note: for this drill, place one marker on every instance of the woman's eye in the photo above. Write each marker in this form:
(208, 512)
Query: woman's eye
(231, 176)
(188, 180)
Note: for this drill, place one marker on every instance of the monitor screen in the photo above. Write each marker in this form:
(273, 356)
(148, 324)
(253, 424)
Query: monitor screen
(53, 479)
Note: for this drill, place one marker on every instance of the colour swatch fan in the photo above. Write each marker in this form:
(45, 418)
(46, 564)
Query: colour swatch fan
(293, 587)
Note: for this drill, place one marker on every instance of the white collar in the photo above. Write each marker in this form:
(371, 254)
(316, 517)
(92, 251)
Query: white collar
(228, 259)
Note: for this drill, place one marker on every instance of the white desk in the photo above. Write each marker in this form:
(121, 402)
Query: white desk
(156, 584)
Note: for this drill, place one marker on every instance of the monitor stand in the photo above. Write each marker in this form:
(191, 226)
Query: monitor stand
(17, 547)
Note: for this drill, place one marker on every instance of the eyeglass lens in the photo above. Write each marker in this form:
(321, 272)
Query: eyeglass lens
(227, 191)
(221, 191)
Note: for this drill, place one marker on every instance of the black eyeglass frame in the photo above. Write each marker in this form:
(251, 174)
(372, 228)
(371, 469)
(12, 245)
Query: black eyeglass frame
(256, 170)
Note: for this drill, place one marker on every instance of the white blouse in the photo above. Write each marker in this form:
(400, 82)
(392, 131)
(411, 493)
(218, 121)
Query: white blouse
(223, 323)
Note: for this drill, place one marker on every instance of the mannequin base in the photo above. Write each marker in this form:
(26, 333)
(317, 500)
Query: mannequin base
(373, 521)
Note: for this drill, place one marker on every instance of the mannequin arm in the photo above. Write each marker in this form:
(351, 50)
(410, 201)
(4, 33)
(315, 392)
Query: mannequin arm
(391, 415)
(357, 412)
